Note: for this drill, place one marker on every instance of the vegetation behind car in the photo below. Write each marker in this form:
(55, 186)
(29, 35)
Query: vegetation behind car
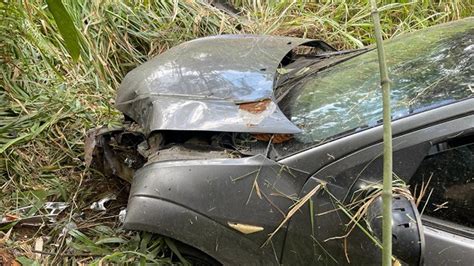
(48, 101)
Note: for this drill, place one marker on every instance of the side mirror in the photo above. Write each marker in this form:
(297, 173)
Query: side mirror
(408, 241)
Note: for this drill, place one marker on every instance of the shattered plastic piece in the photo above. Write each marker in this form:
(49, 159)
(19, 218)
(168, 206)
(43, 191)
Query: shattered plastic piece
(55, 208)
(39, 244)
(245, 228)
(122, 215)
(100, 205)
(143, 148)
(129, 162)
(113, 152)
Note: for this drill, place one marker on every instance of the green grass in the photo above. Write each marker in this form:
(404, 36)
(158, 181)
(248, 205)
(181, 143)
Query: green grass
(48, 101)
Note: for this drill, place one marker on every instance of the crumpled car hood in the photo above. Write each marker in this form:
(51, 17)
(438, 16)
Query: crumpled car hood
(220, 83)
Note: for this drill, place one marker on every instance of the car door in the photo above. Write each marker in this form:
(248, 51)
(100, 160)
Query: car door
(317, 233)
(444, 188)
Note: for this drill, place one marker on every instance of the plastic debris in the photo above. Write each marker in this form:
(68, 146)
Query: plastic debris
(122, 215)
(100, 205)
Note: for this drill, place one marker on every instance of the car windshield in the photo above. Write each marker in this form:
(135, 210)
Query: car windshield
(427, 68)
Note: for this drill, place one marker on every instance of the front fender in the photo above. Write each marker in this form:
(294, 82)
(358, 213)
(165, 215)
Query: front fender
(172, 220)
(195, 201)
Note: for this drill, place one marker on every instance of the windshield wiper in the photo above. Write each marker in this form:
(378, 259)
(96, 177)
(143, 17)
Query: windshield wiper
(342, 52)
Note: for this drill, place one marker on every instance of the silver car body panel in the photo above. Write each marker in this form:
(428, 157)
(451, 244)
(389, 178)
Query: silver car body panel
(445, 248)
(201, 85)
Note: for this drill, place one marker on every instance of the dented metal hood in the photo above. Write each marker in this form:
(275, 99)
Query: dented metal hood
(205, 83)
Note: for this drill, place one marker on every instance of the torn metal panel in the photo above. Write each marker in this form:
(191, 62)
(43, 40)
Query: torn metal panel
(114, 152)
(202, 84)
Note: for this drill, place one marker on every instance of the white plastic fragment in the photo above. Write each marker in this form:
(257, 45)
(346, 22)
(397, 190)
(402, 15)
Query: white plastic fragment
(100, 205)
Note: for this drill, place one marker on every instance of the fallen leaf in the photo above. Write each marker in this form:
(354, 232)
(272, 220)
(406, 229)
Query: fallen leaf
(277, 138)
(245, 228)
(255, 107)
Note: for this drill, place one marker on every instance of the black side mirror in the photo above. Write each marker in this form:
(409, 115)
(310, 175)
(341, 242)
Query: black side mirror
(408, 241)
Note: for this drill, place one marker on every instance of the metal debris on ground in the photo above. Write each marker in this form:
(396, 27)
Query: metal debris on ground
(25, 216)
(100, 205)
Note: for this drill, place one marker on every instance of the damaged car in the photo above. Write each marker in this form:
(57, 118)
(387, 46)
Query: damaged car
(267, 150)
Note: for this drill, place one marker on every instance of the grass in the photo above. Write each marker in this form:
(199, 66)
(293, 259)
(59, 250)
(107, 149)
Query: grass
(48, 101)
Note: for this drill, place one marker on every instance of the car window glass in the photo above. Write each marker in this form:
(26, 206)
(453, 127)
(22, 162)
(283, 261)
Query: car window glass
(448, 175)
(428, 68)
